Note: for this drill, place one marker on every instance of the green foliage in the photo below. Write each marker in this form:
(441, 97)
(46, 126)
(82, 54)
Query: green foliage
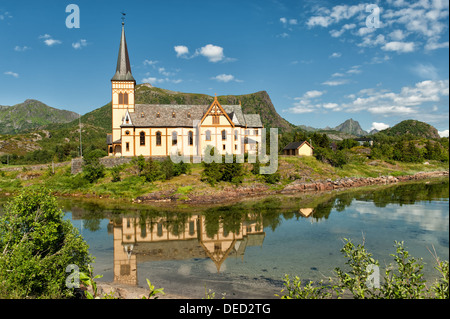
(115, 173)
(93, 170)
(153, 292)
(403, 280)
(294, 289)
(36, 246)
(228, 172)
(88, 279)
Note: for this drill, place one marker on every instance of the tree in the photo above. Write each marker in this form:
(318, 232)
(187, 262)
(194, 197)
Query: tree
(92, 168)
(36, 246)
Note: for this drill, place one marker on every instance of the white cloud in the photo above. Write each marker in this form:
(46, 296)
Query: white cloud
(212, 52)
(285, 21)
(21, 49)
(313, 94)
(336, 55)
(443, 133)
(48, 40)
(345, 27)
(397, 35)
(181, 50)
(150, 62)
(80, 44)
(335, 82)
(319, 21)
(13, 74)
(225, 78)
(426, 71)
(400, 47)
(379, 126)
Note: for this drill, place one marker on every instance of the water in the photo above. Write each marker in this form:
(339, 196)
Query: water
(245, 249)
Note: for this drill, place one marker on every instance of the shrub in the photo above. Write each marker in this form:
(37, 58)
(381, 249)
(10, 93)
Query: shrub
(36, 246)
(403, 280)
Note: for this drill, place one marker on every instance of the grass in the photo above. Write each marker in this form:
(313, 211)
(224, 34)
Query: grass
(130, 186)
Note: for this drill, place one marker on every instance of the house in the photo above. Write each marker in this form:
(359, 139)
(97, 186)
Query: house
(165, 129)
(298, 149)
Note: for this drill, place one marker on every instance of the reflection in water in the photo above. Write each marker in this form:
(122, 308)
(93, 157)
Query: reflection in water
(139, 240)
(155, 235)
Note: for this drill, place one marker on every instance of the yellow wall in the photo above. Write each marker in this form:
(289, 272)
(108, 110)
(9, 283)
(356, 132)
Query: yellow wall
(305, 150)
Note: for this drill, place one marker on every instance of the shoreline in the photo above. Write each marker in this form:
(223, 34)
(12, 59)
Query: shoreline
(237, 193)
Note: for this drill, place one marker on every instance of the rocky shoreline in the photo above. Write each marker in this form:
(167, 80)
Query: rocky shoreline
(233, 193)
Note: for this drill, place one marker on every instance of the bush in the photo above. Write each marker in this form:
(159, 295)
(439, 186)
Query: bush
(92, 168)
(36, 246)
(403, 280)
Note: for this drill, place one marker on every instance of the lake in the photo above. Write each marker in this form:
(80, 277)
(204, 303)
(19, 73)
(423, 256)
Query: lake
(245, 249)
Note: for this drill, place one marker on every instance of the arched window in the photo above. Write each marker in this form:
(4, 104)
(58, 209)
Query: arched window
(208, 135)
(158, 138)
(235, 135)
(174, 138)
(142, 138)
(121, 98)
(190, 138)
(125, 98)
(224, 135)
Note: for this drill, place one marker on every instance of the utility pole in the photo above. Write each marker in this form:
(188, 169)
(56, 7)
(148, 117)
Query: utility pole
(81, 147)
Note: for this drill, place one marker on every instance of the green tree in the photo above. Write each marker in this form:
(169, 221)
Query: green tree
(36, 246)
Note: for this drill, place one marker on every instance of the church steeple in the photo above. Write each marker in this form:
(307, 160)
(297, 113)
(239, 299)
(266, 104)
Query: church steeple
(123, 69)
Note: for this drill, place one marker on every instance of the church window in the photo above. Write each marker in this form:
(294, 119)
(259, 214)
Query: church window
(208, 135)
(256, 132)
(125, 98)
(224, 135)
(127, 132)
(158, 138)
(127, 146)
(142, 114)
(121, 98)
(142, 138)
(158, 115)
(173, 115)
(174, 138)
(235, 135)
(235, 147)
(190, 138)
(224, 147)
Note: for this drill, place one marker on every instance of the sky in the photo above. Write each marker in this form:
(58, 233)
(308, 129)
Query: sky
(321, 62)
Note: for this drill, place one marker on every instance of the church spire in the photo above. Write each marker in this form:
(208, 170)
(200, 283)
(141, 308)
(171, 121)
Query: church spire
(123, 69)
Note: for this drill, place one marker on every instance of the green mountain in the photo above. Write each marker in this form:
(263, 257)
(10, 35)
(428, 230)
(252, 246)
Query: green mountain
(258, 102)
(351, 127)
(413, 127)
(31, 115)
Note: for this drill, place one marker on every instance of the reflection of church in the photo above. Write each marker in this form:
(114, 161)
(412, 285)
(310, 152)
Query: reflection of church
(137, 241)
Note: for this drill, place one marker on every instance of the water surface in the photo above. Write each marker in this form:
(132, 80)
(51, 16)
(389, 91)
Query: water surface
(245, 249)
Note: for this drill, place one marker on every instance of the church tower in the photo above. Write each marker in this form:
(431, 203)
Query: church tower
(123, 85)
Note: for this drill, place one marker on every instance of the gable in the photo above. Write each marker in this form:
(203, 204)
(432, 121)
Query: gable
(216, 110)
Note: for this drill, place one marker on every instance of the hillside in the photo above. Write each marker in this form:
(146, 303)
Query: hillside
(413, 127)
(31, 115)
(258, 102)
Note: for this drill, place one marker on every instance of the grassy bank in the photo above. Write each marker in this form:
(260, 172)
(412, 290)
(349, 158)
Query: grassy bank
(130, 185)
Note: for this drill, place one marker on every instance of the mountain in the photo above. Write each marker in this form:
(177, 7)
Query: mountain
(351, 127)
(258, 102)
(63, 138)
(31, 115)
(413, 127)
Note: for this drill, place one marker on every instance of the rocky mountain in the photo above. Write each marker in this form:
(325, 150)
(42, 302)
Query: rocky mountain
(413, 127)
(351, 127)
(31, 115)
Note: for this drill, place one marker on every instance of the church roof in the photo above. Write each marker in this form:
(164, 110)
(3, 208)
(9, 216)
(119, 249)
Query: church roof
(181, 115)
(123, 69)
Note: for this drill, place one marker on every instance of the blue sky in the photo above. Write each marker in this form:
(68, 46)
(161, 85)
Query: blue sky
(321, 62)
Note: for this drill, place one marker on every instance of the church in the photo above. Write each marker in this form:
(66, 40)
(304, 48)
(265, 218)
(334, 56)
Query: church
(160, 130)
